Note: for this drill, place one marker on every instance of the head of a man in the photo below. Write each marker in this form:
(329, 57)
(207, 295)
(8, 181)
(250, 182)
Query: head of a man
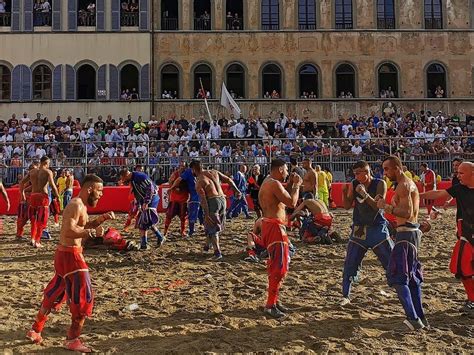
(307, 163)
(125, 176)
(423, 167)
(256, 169)
(392, 167)
(456, 163)
(466, 173)
(279, 169)
(44, 162)
(196, 167)
(243, 168)
(361, 171)
(92, 189)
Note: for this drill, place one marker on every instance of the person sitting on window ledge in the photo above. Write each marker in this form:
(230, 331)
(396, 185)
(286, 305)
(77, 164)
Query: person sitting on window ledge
(439, 93)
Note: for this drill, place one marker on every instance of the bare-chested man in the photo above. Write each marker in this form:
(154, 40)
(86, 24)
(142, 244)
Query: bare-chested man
(23, 207)
(39, 200)
(310, 179)
(69, 187)
(71, 281)
(273, 198)
(213, 203)
(404, 271)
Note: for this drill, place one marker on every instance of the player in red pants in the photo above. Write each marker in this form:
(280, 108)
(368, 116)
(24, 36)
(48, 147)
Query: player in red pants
(178, 201)
(38, 210)
(71, 281)
(273, 198)
(23, 207)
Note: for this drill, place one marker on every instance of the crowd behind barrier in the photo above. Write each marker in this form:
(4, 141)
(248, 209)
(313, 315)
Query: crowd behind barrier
(104, 146)
(118, 198)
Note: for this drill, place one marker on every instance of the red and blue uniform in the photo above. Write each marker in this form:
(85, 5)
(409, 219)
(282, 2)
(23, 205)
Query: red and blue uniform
(38, 213)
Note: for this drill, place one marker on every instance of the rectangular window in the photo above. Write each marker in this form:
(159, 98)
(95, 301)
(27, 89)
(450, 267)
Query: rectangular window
(344, 14)
(433, 14)
(385, 14)
(270, 15)
(307, 14)
(42, 13)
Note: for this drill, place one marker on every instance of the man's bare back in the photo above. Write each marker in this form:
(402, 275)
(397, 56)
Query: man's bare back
(315, 206)
(39, 180)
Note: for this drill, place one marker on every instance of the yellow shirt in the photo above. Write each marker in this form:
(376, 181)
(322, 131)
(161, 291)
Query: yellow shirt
(329, 175)
(438, 178)
(322, 181)
(61, 184)
(388, 182)
(408, 175)
(416, 178)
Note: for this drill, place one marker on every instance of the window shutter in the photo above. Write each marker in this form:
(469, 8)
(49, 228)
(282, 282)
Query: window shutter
(15, 15)
(16, 83)
(113, 83)
(57, 81)
(28, 15)
(143, 15)
(72, 16)
(70, 83)
(115, 15)
(100, 13)
(101, 83)
(57, 15)
(145, 82)
(25, 83)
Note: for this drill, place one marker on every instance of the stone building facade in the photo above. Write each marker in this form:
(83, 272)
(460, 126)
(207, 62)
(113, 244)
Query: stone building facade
(415, 49)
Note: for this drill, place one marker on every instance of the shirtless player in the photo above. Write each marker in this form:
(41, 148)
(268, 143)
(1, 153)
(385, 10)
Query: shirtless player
(213, 203)
(71, 281)
(24, 205)
(273, 199)
(404, 271)
(310, 179)
(39, 200)
(462, 259)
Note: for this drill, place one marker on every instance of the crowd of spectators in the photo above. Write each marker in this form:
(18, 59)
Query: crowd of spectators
(161, 144)
(129, 95)
(42, 13)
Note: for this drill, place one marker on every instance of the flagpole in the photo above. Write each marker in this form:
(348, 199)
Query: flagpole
(205, 100)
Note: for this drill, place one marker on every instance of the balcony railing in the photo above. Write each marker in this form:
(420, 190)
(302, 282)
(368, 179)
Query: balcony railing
(235, 23)
(270, 27)
(129, 19)
(433, 23)
(5, 19)
(42, 19)
(386, 23)
(344, 26)
(169, 23)
(201, 24)
(86, 18)
(307, 26)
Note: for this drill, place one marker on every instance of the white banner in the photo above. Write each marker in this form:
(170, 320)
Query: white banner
(228, 102)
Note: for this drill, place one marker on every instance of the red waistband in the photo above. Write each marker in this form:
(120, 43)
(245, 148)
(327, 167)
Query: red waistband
(38, 194)
(70, 249)
(273, 220)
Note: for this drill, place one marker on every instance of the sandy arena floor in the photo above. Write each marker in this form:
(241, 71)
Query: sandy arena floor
(189, 304)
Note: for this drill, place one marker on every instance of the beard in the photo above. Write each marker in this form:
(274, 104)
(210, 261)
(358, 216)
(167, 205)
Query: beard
(92, 200)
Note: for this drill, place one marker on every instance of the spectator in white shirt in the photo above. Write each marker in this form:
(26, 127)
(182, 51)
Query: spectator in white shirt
(356, 148)
(215, 130)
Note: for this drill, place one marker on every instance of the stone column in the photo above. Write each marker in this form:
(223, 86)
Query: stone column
(218, 14)
(186, 14)
(287, 14)
(252, 15)
(325, 14)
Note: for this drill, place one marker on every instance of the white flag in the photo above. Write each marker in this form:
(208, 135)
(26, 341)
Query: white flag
(228, 102)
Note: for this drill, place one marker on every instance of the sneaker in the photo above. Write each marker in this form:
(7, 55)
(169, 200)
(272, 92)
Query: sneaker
(144, 247)
(160, 241)
(76, 345)
(468, 308)
(345, 301)
(274, 312)
(34, 336)
(281, 308)
(252, 259)
(217, 256)
(46, 235)
(425, 322)
(416, 324)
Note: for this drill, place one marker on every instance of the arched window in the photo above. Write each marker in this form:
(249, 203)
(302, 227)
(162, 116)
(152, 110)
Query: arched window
(86, 13)
(86, 83)
(271, 81)
(5, 17)
(129, 81)
(235, 81)
(202, 15)
(170, 82)
(433, 14)
(5, 82)
(385, 14)
(343, 14)
(308, 76)
(42, 83)
(270, 15)
(129, 13)
(42, 13)
(388, 81)
(234, 15)
(436, 81)
(345, 81)
(202, 73)
(169, 15)
(307, 14)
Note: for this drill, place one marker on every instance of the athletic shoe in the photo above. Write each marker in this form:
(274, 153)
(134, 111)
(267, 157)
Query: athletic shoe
(46, 235)
(76, 345)
(425, 322)
(274, 312)
(34, 336)
(345, 301)
(144, 247)
(252, 259)
(160, 241)
(217, 256)
(281, 308)
(468, 308)
(416, 324)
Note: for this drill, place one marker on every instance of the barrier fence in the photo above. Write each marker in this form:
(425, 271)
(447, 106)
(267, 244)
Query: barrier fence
(161, 157)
